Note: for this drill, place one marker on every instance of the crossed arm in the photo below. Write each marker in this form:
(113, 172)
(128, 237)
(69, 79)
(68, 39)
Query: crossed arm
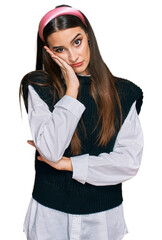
(52, 133)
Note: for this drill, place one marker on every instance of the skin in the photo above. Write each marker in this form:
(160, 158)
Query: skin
(71, 52)
(66, 52)
(63, 164)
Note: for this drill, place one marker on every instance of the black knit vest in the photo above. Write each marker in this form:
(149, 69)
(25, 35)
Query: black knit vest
(56, 189)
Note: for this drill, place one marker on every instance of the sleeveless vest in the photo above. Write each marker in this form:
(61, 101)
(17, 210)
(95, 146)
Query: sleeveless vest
(56, 189)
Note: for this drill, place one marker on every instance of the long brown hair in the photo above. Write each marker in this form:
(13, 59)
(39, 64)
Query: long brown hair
(102, 81)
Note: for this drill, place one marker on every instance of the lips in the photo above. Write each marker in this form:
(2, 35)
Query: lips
(77, 64)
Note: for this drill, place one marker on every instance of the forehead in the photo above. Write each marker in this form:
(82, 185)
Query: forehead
(64, 36)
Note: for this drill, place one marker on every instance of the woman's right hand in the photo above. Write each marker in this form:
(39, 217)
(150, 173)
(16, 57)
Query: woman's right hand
(71, 80)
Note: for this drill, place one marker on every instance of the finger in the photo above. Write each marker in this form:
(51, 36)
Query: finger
(39, 158)
(42, 159)
(57, 59)
(49, 51)
(31, 143)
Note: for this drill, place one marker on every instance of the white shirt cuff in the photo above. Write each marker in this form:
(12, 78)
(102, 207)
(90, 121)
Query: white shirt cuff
(80, 167)
(71, 104)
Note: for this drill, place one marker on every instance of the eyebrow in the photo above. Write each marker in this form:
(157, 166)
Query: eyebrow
(70, 42)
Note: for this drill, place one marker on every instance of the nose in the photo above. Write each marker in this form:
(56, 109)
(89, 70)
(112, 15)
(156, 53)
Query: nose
(72, 56)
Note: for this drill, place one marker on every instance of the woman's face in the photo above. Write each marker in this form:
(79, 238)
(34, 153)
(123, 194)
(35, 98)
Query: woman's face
(72, 46)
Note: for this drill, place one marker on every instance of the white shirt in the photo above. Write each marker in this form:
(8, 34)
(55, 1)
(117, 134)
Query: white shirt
(105, 169)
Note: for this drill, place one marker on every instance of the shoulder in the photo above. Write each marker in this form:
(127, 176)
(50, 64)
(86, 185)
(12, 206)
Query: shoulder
(36, 78)
(42, 84)
(128, 93)
(126, 87)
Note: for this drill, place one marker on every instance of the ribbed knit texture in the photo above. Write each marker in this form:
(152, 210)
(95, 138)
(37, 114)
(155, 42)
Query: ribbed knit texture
(56, 189)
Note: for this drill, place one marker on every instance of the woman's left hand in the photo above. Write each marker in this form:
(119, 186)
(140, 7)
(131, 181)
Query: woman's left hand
(63, 164)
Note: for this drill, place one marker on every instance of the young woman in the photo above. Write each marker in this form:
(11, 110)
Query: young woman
(86, 131)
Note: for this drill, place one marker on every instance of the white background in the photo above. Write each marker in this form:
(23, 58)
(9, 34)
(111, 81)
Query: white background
(130, 41)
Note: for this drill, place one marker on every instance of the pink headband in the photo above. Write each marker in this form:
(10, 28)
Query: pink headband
(55, 13)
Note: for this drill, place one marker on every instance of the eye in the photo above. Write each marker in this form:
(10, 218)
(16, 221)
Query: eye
(78, 42)
(59, 50)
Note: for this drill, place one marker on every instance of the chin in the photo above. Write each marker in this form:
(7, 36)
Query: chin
(82, 71)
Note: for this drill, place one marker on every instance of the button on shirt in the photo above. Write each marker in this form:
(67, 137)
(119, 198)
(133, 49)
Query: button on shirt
(112, 168)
